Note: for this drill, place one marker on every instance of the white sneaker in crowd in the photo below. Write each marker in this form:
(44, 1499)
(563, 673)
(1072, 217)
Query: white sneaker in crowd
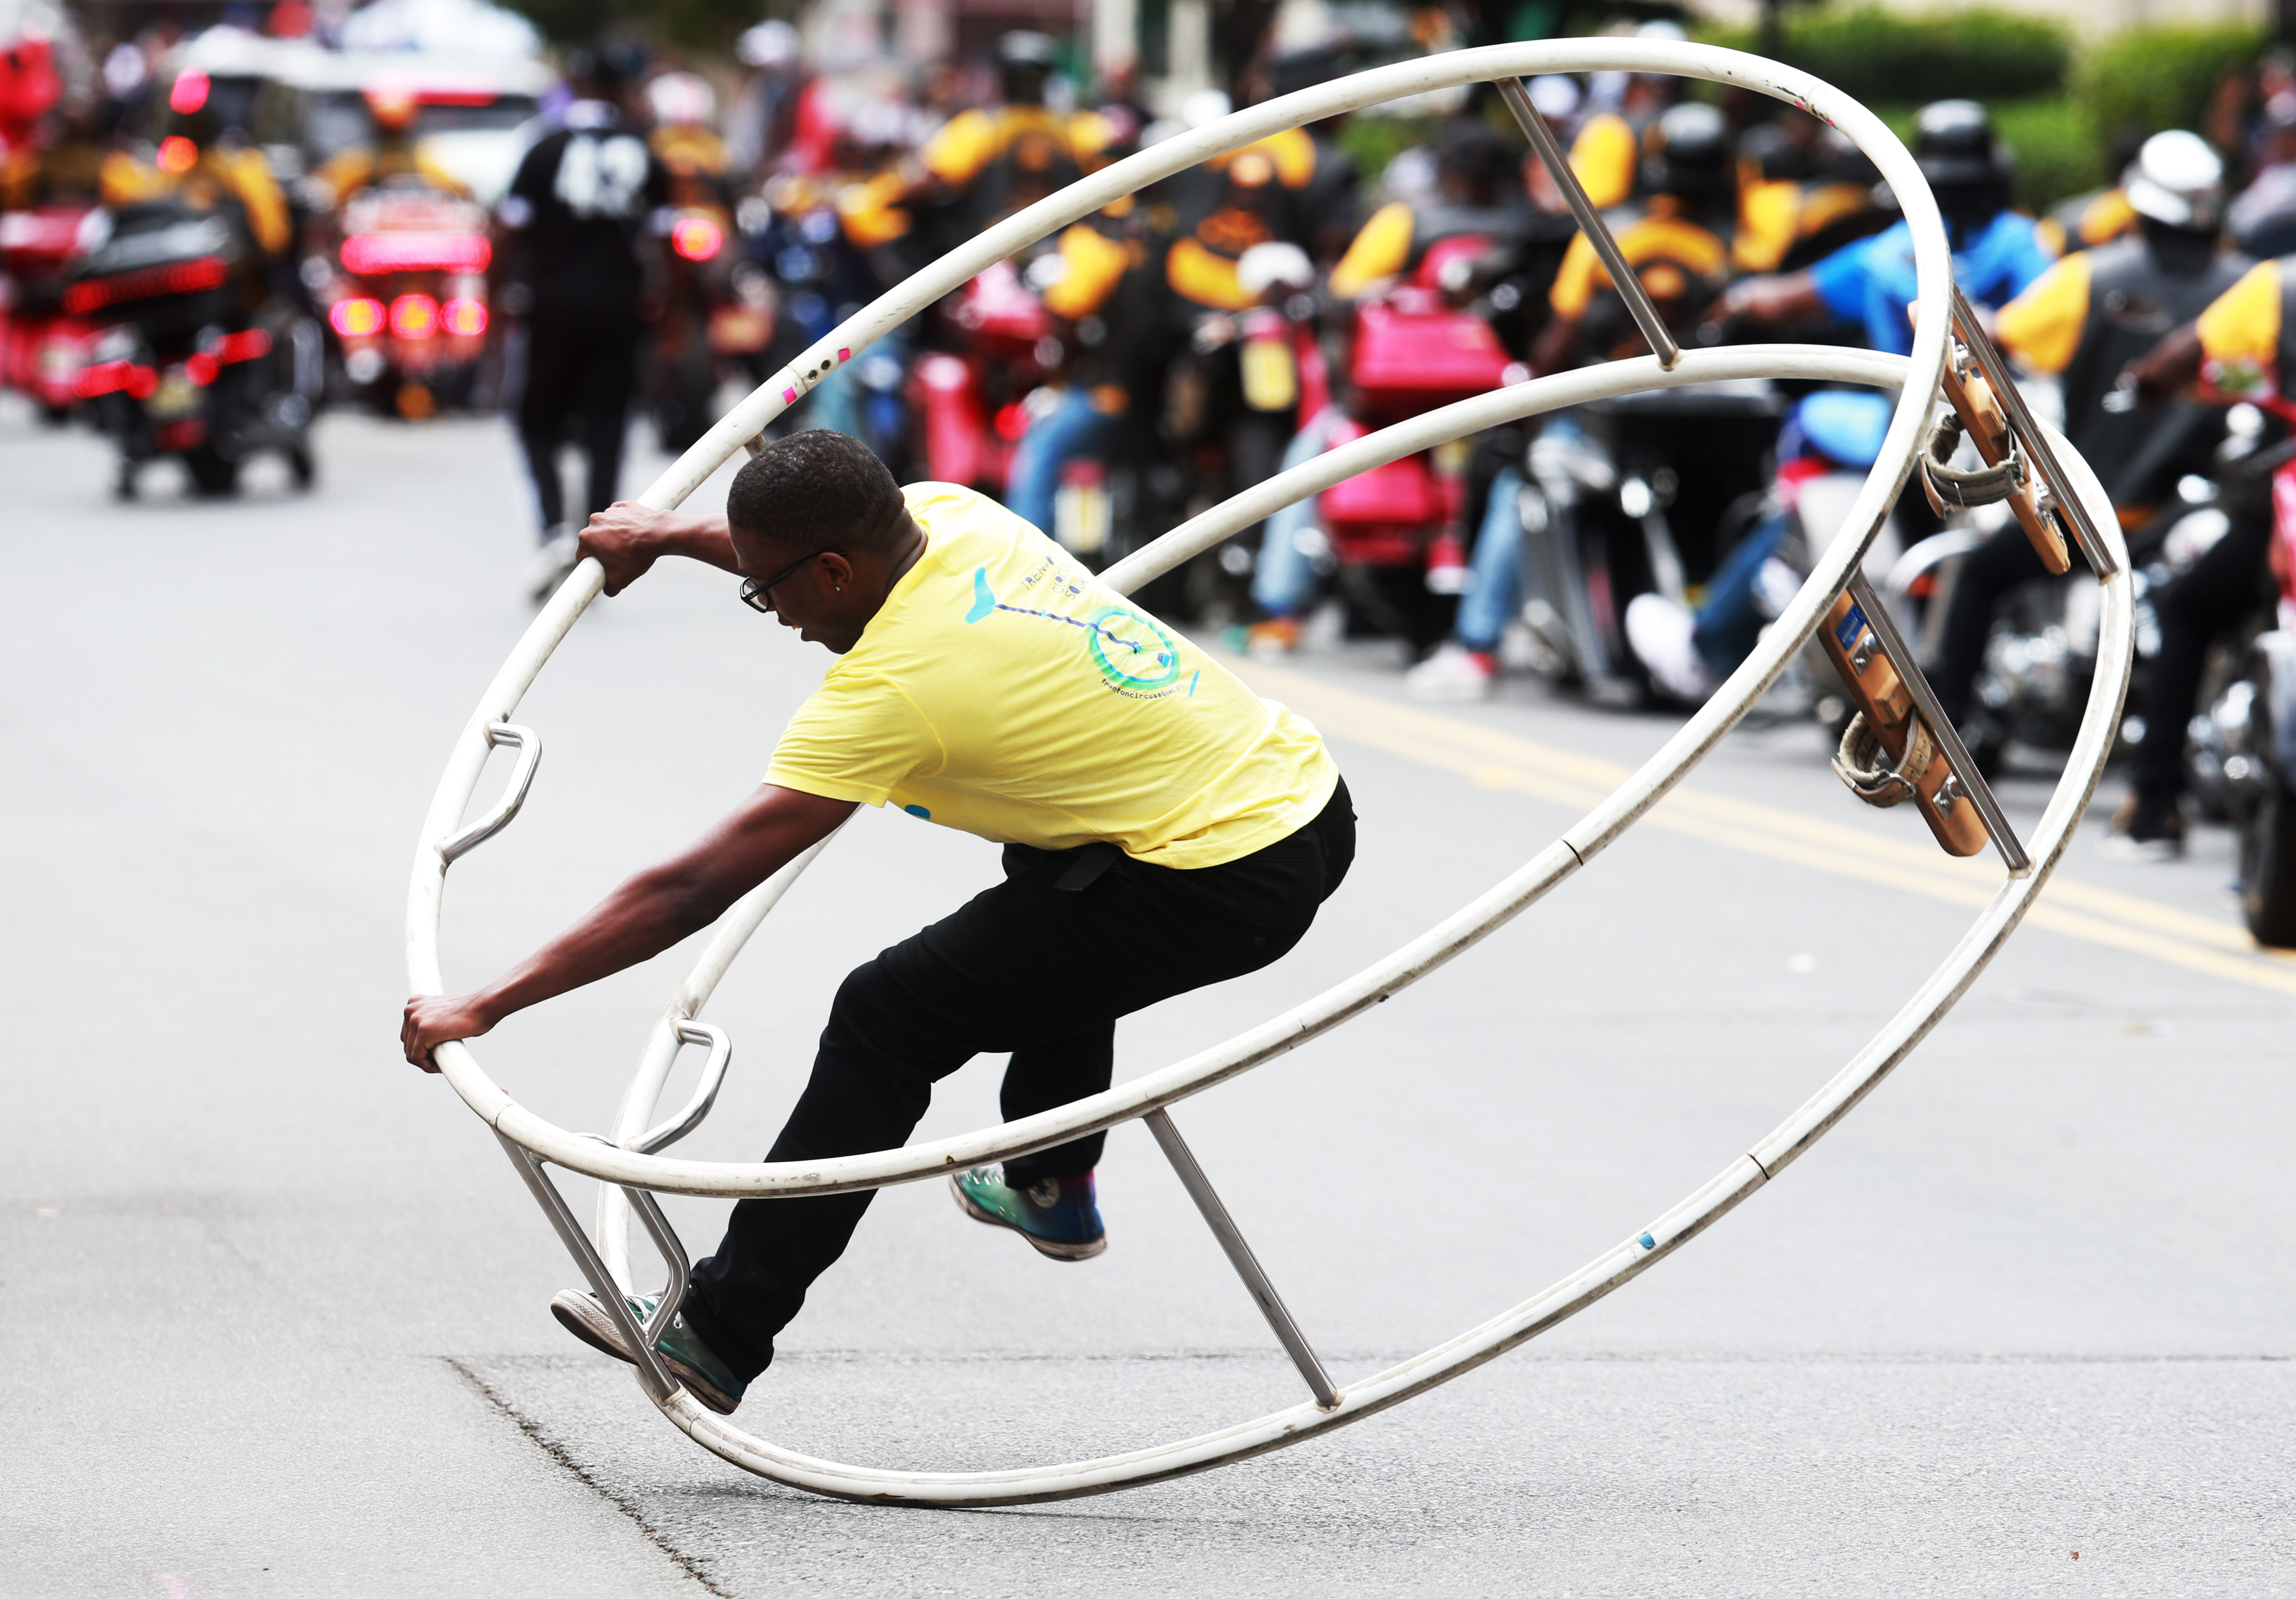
(1662, 634)
(559, 554)
(1453, 673)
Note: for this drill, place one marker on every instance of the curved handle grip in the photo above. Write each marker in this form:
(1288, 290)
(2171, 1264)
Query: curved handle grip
(528, 745)
(705, 1093)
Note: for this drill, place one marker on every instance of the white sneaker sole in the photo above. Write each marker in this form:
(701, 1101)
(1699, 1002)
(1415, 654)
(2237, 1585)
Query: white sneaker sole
(1045, 1247)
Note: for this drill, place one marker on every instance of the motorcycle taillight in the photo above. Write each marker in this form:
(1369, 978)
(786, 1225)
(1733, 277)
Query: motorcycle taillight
(115, 377)
(696, 238)
(414, 316)
(360, 318)
(465, 318)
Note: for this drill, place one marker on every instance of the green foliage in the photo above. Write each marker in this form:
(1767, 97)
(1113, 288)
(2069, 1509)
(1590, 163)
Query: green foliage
(1876, 55)
(2152, 78)
(1371, 139)
(2058, 152)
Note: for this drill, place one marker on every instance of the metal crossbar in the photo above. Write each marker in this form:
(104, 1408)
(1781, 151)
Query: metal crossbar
(1239, 1256)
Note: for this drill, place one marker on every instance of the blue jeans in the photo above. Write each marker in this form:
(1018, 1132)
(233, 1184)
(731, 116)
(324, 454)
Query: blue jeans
(1070, 428)
(842, 403)
(1495, 590)
(1283, 583)
(1730, 621)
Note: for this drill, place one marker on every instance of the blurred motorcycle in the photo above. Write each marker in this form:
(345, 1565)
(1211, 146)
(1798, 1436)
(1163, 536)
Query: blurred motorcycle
(42, 346)
(182, 365)
(1641, 495)
(973, 406)
(691, 340)
(1394, 530)
(2240, 753)
(800, 276)
(407, 301)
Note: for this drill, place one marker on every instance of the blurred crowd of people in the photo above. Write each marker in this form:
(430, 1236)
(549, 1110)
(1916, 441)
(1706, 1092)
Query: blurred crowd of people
(663, 226)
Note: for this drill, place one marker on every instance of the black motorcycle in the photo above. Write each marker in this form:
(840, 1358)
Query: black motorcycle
(195, 360)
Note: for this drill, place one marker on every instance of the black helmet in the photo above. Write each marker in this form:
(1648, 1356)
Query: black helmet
(1689, 152)
(1468, 147)
(1024, 60)
(1955, 147)
(1774, 152)
(1298, 70)
(1840, 161)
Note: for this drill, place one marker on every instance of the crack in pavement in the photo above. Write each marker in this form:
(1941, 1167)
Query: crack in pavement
(557, 1452)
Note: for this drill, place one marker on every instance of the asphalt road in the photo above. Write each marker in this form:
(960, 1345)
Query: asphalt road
(274, 1304)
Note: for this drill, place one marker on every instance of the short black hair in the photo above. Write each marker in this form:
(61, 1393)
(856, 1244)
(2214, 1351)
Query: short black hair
(819, 490)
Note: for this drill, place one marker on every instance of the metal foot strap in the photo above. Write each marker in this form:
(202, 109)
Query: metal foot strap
(1623, 277)
(2069, 505)
(1958, 759)
(652, 1376)
(1239, 1256)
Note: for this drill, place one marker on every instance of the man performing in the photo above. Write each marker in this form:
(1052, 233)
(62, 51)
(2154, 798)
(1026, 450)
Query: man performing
(1146, 799)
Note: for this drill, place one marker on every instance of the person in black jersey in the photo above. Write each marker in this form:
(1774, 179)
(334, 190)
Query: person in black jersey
(585, 211)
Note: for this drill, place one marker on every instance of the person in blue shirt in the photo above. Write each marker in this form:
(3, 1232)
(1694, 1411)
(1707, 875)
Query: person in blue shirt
(1996, 252)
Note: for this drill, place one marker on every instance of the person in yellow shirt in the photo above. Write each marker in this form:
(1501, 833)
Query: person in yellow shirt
(987, 163)
(2238, 349)
(2082, 322)
(1162, 828)
(1804, 191)
(1678, 245)
(1607, 152)
(208, 171)
(394, 154)
(1478, 195)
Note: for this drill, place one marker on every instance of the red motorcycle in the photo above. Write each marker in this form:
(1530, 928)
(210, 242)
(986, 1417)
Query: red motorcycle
(972, 407)
(408, 301)
(1394, 529)
(42, 346)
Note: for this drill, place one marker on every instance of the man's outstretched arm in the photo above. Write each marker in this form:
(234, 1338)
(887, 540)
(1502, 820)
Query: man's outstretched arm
(639, 920)
(627, 538)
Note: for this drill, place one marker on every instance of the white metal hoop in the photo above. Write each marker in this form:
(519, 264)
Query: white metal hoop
(1915, 377)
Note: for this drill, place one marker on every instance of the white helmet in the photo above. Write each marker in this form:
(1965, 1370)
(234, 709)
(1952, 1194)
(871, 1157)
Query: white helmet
(1266, 267)
(682, 99)
(2177, 180)
(770, 47)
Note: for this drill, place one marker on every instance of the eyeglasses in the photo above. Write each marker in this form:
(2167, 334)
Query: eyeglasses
(757, 592)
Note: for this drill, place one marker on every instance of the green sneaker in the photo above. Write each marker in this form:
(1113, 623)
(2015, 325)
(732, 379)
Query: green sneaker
(1056, 1215)
(690, 1360)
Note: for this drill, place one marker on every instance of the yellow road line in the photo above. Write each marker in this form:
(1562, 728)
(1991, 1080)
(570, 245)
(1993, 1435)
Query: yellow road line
(1492, 758)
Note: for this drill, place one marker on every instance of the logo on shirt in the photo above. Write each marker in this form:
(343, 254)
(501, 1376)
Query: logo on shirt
(1133, 655)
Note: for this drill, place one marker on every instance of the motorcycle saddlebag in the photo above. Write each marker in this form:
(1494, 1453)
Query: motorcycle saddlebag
(1386, 516)
(1413, 354)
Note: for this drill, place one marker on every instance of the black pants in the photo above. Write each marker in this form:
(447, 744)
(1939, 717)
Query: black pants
(1991, 569)
(1030, 966)
(580, 369)
(2211, 597)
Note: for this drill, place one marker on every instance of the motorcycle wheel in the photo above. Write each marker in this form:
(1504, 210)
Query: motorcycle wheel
(213, 474)
(2267, 870)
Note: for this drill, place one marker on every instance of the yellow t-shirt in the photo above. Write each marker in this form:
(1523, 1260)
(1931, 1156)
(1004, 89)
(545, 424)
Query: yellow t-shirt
(2044, 324)
(1006, 691)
